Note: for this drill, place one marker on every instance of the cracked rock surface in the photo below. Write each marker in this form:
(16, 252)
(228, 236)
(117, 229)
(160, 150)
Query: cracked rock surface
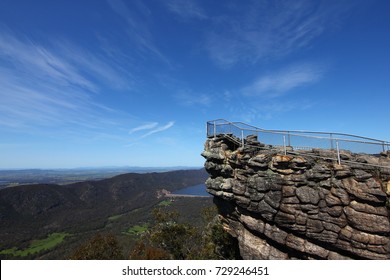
(300, 206)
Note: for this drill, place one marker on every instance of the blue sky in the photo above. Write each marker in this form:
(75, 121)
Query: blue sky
(103, 83)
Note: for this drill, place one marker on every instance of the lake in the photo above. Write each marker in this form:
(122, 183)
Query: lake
(199, 190)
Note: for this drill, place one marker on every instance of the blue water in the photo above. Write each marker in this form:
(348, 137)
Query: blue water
(194, 190)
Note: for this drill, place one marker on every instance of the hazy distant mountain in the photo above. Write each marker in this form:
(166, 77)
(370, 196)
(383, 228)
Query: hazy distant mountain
(14, 177)
(32, 210)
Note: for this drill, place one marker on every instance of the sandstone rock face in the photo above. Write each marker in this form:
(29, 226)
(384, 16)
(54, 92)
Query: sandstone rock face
(300, 206)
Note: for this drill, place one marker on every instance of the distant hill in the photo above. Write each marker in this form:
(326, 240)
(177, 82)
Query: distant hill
(15, 177)
(30, 211)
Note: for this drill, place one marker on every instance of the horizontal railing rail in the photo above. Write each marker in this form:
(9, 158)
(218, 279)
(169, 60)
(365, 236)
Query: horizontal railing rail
(298, 139)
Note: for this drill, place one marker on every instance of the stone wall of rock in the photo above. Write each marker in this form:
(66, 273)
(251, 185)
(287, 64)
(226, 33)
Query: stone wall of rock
(300, 206)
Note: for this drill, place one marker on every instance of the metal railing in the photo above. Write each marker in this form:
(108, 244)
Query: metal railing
(295, 140)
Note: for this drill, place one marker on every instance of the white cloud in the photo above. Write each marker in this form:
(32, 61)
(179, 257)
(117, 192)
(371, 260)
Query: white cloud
(188, 98)
(137, 19)
(269, 29)
(40, 62)
(283, 81)
(186, 9)
(159, 129)
(53, 86)
(145, 130)
(143, 127)
(105, 70)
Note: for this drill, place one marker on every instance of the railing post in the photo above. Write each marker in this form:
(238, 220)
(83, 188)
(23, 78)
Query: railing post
(284, 145)
(331, 141)
(242, 138)
(215, 130)
(338, 152)
(289, 138)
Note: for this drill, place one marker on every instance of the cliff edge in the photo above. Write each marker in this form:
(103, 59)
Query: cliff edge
(300, 206)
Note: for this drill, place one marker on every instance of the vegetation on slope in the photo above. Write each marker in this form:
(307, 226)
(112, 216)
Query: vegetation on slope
(37, 246)
(34, 211)
(110, 219)
(166, 239)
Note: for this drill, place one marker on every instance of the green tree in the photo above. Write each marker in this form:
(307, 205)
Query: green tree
(144, 251)
(178, 239)
(170, 239)
(100, 247)
(218, 244)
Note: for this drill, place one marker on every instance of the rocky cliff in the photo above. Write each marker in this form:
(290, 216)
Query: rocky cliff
(303, 205)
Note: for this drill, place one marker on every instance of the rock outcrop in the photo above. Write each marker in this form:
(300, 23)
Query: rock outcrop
(300, 206)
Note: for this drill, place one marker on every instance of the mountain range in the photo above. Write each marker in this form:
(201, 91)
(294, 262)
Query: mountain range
(33, 211)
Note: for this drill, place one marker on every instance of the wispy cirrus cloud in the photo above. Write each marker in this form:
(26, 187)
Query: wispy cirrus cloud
(151, 128)
(269, 29)
(187, 9)
(274, 93)
(189, 98)
(159, 129)
(39, 62)
(143, 127)
(52, 85)
(137, 18)
(104, 70)
(280, 82)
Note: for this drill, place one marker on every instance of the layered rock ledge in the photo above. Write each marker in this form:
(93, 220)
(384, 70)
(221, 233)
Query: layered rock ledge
(300, 206)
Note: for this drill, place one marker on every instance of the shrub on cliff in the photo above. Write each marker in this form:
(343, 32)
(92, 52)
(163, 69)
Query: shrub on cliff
(170, 239)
